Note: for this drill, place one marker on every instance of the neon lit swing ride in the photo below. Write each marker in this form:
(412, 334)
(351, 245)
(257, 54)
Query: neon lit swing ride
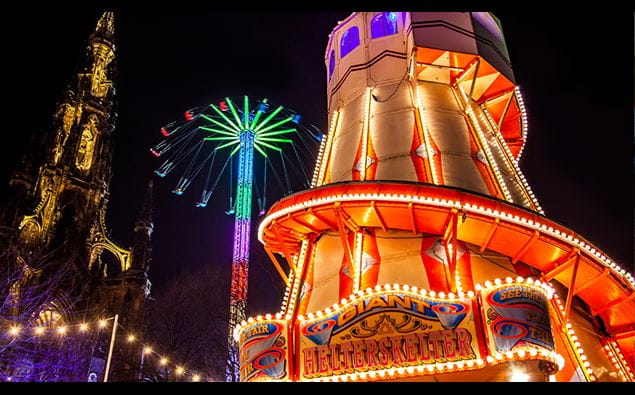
(207, 139)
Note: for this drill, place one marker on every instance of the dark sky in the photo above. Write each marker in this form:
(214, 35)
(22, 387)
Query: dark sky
(574, 68)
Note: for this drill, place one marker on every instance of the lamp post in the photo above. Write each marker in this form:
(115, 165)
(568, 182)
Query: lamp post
(112, 345)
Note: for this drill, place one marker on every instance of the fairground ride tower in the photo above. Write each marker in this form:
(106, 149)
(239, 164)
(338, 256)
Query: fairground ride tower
(421, 253)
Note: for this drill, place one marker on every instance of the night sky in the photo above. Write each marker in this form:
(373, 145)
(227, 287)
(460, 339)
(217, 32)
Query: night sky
(575, 70)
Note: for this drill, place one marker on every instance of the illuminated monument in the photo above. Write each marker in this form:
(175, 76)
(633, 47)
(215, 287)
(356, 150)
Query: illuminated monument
(421, 253)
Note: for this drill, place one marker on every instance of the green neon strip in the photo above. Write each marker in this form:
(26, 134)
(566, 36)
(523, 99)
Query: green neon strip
(235, 150)
(274, 139)
(268, 145)
(260, 150)
(256, 118)
(282, 122)
(222, 138)
(246, 113)
(273, 114)
(222, 125)
(219, 112)
(277, 132)
(227, 144)
(219, 131)
(231, 107)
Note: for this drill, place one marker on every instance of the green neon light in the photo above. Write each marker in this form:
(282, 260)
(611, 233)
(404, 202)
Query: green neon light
(275, 125)
(222, 125)
(246, 113)
(235, 150)
(277, 132)
(219, 112)
(218, 131)
(268, 145)
(263, 153)
(231, 107)
(273, 139)
(273, 114)
(227, 144)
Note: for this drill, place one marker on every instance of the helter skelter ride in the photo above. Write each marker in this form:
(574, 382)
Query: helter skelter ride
(206, 140)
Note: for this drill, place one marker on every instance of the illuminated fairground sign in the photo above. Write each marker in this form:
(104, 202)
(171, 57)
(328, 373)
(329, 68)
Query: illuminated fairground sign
(398, 331)
(516, 316)
(264, 352)
(387, 330)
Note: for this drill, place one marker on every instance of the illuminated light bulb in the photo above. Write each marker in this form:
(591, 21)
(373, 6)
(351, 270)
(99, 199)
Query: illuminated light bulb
(131, 338)
(442, 295)
(405, 287)
(530, 280)
(498, 356)
(414, 289)
(387, 287)
(343, 301)
(61, 330)
(420, 369)
(377, 287)
(521, 353)
(287, 317)
(300, 317)
(518, 376)
(480, 362)
(336, 306)
(147, 350)
(102, 324)
(268, 316)
(362, 376)
(83, 327)
(461, 294)
(250, 320)
(163, 361)
(243, 323)
(509, 280)
(509, 354)
(196, 378)
(470, 364)
(432, 294)
(319, 313)
(38, 331)
(372, 374)
(451, 295)
(488, 284)
(429, 368)
(410, 370)
(328, 310)
(14, 330)
(381, 373)
(423, 292)
(498, 281)
(311, 316)
(179, 370)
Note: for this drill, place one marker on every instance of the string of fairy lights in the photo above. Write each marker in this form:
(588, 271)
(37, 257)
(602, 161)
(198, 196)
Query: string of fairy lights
(62, 330)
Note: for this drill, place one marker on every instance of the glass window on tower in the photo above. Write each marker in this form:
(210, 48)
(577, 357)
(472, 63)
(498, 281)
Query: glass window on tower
(383, 24)
(331, 64)
(350, 41)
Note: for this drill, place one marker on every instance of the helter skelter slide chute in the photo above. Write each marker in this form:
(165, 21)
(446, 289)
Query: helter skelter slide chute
(206, 140)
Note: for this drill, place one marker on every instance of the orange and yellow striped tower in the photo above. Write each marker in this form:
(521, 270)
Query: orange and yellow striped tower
(420, 252)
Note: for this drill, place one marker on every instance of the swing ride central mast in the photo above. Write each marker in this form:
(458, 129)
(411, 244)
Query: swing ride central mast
(240, 263)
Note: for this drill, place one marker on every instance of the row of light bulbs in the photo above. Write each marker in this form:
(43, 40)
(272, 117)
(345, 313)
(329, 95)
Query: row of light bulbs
(584, 364)
(509, 217)
(16, 330)
(489, 122)
(614, 354)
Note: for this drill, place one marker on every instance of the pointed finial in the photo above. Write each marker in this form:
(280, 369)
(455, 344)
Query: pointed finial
(106, 25)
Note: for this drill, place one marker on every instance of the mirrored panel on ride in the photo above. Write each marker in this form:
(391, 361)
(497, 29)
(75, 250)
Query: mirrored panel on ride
(420, 253)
